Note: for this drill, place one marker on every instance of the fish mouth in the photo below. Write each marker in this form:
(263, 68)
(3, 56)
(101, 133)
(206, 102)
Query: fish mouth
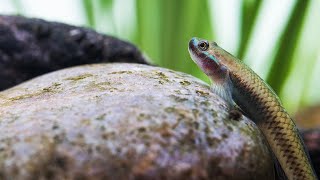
(193, 45)
(194, 50)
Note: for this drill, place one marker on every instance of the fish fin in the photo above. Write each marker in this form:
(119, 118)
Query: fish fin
(279, 173)
(224, 91)
(237, 108)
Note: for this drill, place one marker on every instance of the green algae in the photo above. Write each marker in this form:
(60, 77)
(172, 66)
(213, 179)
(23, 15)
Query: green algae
(79, 77)
(185, 83)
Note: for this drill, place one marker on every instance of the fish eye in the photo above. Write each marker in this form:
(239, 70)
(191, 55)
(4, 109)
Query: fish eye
(203, 45)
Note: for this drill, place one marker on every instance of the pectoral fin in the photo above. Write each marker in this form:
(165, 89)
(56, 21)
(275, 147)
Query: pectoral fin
(224, 91)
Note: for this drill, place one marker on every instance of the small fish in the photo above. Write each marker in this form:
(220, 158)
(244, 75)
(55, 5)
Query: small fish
(238, 85)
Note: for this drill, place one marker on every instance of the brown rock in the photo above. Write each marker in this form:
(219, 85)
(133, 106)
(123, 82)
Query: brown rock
(125, 121)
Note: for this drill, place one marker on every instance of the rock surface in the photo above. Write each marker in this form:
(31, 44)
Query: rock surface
(125, 121)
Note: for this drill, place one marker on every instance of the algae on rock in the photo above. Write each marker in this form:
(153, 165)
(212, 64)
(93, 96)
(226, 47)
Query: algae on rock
(125, 121)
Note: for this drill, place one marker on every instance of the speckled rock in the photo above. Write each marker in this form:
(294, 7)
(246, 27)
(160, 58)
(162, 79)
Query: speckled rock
(125, 121)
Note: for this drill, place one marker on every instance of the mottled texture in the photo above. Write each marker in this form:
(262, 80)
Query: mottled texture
(30, 47)
(125, 121)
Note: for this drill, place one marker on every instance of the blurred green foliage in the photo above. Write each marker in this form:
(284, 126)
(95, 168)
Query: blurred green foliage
(283, 59)
(162, 29)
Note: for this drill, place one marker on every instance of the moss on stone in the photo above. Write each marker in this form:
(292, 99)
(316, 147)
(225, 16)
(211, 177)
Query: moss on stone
(135, 121)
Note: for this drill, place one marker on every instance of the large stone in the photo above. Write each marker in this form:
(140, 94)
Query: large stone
(125, 121)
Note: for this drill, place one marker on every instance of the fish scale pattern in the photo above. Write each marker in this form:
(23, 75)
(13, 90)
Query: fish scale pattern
(273, 120)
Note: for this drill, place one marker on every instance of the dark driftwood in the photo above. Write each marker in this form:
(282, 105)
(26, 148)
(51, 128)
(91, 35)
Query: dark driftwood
(31, 47)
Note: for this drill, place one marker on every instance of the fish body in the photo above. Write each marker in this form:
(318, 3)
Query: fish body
(235, 82)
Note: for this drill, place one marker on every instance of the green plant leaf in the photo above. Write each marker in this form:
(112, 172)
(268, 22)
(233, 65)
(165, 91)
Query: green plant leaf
(283, 61)
(89, 12)
(250, 11)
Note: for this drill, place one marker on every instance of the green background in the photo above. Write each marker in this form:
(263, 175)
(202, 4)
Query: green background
(280, 40)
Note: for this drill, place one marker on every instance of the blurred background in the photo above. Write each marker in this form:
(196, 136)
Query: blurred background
(280, 40)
